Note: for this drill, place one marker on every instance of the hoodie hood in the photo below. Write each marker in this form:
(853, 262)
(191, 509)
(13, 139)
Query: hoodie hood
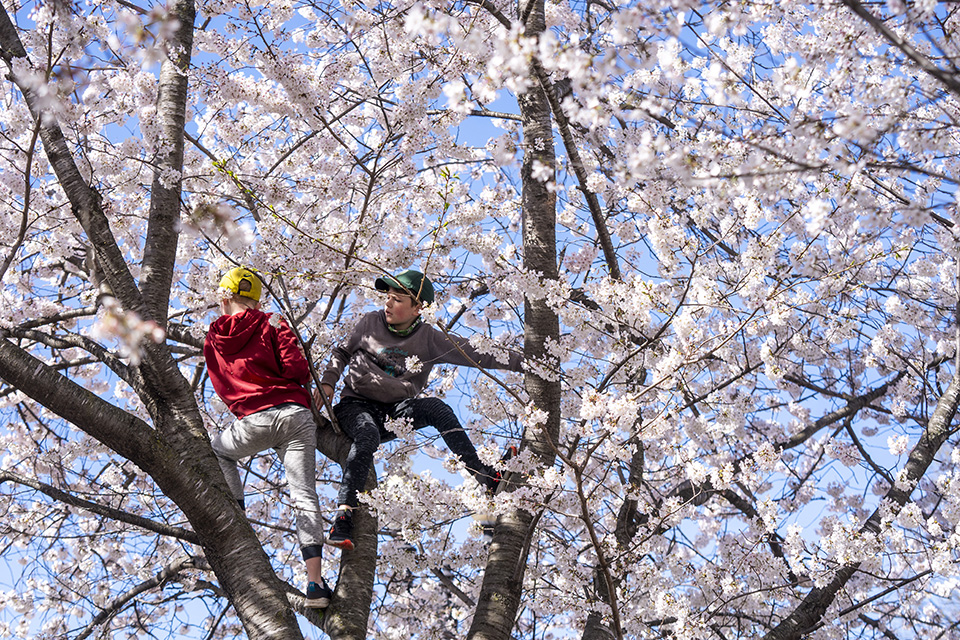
(255, 362)
(230, 334)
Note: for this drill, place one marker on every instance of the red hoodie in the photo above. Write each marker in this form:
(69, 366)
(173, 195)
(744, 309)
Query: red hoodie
(255, 365)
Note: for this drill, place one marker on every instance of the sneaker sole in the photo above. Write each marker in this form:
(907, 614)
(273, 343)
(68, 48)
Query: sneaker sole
(346, 545)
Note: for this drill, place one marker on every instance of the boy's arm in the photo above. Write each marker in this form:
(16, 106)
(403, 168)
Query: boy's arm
(453, 349)
(290, 354)
(340, 356)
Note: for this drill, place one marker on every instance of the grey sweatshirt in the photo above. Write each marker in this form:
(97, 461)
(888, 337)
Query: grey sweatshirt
(378, 359)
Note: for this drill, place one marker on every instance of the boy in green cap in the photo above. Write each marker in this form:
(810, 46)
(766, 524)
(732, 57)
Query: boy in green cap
(379, 385)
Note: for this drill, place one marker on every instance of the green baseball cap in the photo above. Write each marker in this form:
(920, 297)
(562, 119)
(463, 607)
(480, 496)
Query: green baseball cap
(408, 281)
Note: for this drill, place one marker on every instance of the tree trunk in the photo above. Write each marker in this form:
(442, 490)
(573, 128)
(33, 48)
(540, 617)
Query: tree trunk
(160, 249)
(595, 629)
(502, 588)
(346, 617)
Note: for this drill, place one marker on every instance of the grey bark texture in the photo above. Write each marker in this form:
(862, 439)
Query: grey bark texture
(160, 248)
(595, 629)
(349, 611)
(502, 589)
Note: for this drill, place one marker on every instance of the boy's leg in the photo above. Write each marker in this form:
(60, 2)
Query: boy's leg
(297, 451)
(361, 422)
(243, 438)
(318, 591)
(300, 466)
(426, 412)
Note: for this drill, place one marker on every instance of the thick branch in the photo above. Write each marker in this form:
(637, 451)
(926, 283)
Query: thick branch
(853, 406)
(448, 582)
(67, 314)
(126, 434)
(349, 609)
(81, 342)
(181, 333)
(160, 246)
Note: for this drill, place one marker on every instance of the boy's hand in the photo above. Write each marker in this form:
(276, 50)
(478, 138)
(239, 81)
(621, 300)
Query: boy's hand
(325, 391)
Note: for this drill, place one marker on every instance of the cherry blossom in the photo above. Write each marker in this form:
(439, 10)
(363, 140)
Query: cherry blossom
(741, 218)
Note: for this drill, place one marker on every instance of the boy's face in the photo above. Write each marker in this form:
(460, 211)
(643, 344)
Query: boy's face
(400, 308)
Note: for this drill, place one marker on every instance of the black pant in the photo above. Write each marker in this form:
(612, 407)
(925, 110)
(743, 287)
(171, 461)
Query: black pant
(363, 420)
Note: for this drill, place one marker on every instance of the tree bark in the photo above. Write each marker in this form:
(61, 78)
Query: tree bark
(502, 589)
(346, 617)
(160, 249)
(595, 629)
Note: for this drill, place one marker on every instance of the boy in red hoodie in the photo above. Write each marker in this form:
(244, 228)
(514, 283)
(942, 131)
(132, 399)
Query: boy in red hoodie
(257, 368)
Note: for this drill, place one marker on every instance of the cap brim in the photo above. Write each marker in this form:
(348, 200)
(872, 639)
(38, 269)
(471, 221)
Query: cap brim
(385, 284)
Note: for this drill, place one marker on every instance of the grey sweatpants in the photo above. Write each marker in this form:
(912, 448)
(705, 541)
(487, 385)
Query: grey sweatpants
(291, 430)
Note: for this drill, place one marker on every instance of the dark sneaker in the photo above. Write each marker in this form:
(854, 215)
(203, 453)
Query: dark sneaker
(341, 531)
(318, 595)
(493, 482)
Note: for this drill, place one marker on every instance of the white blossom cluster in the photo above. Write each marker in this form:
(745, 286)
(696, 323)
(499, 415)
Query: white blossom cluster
(749, 369)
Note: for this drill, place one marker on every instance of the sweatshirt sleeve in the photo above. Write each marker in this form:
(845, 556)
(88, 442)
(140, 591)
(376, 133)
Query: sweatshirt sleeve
(340, 355)
(453, 349)
(339, 358)
(294, 364)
